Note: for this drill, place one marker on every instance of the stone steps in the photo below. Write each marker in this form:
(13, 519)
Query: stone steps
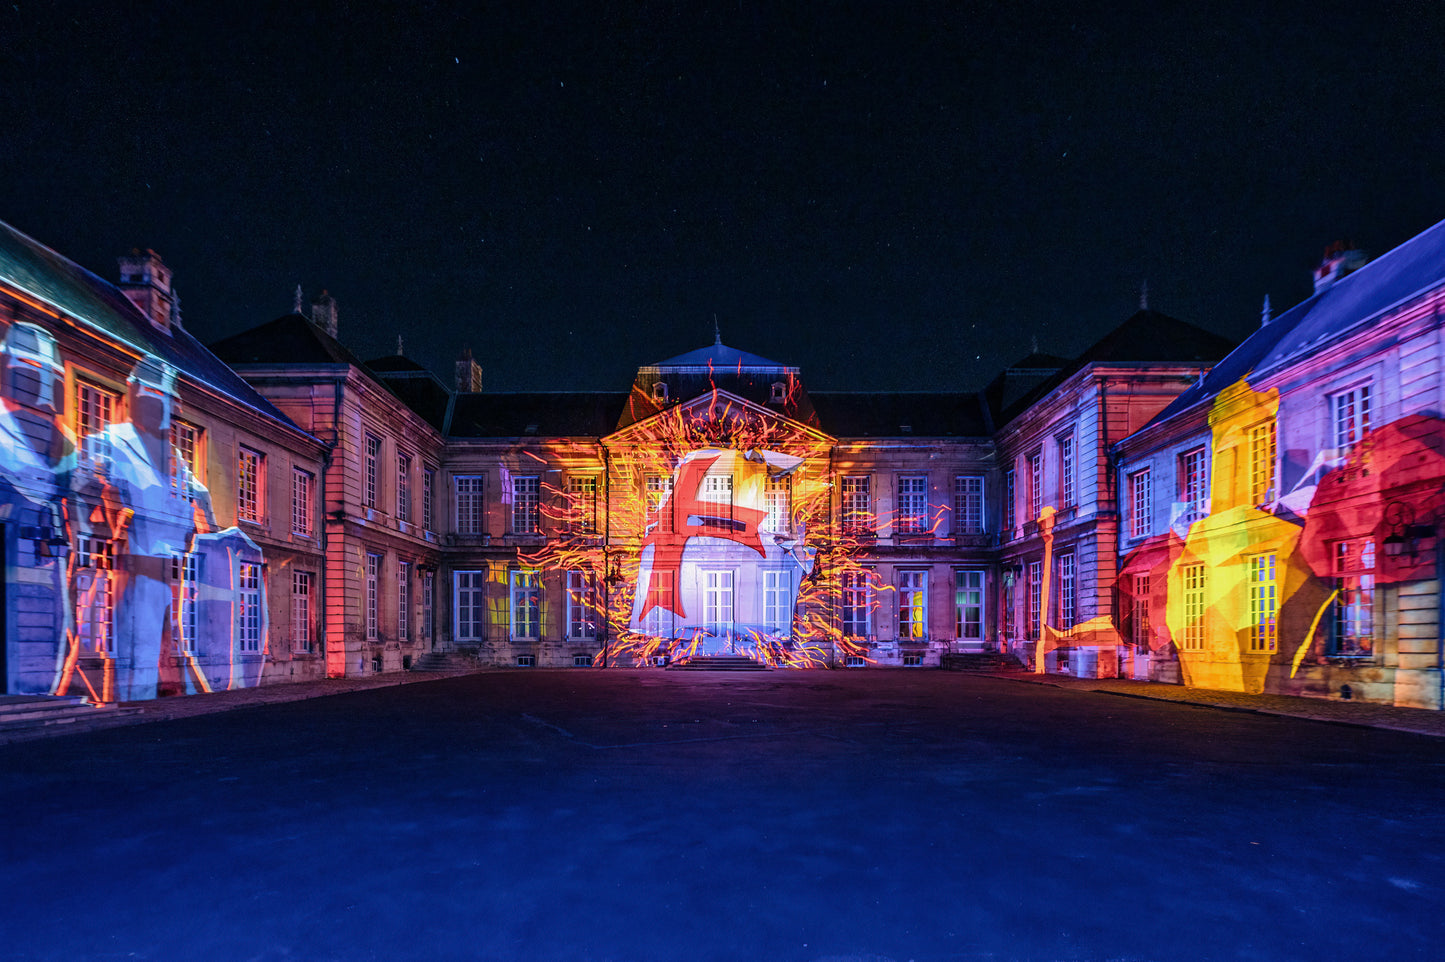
(444, 661)
(23, 716)
(979, 661)
(718, 663)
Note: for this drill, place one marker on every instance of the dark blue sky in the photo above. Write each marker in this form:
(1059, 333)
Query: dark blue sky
(891, 199)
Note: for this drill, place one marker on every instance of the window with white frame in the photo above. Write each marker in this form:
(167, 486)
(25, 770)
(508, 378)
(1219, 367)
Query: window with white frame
(373, 470)
(777, 500)
(471, 503)
(777, 602)
(185, 591)
(470, 592)
(303, 495)
(428, 495)
(1261, 462)
(1010, 505)
(582, 501)
(403, 487)
(248, 602)
(1036, 590)
(428, 604)
(94, 593)
(403, 600)
(968, 504)
(1067, 492)
(526, 502)
(717, 600)
(1140, 622)
(857, 603)
(1036, 485)
(526, 603)
(1263, 603)
(1351, 415)
(250, 496)
(856, 504)
(373, 595)
(658, 487)
(968, 604)
(912, 503)
(1141, 503)
(1353, 562)
(1068, 593)
(661, 602)
(913, 605)
(581, 605)
(94, 410)
(302, 583)
(1194, 579)
(186, 445)
(1194, 484)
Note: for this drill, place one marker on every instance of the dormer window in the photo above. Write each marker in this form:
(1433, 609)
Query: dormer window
(659, 391)
(780, 393)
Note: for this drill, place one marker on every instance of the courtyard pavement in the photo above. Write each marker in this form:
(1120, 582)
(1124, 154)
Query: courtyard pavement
(869, 816)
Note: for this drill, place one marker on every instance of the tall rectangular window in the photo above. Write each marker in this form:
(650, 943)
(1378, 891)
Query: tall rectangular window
(1193, 580)
(428, 604)
(1263, 603)
(777, 500)
(471, 605)
(1194, 484)
(856, 505)
(658, 487)
(248, 602)
(526, 604)
(717, 601)
(661, 600)
(471, 503)
(186, 443)
(1351, 416)
(250, 498)
(1140, 623)
(912, 504)
(968, 504)
(968, 605)
(403, 487)
(581, 605)
(94, 411)
(428, 495)
(301, 585)
(1010, 504)
(403, 600)
(582, 501)
(1354, 622)
(185, 592)
(857, 590)
(1261, 462)
(1036, 486)
(1141, 503)
(1067, 491)
(777, 602)
(94, 593)
(526, 504)
(1068, 593)
(913, 604)
(373, 595)
(1036, 589)
(373, 470)
(303, 495)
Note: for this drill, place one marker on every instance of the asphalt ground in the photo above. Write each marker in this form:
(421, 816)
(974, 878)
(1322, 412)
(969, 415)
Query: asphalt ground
(646, 815)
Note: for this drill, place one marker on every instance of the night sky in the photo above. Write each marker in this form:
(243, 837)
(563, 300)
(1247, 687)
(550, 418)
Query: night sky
(891, 199)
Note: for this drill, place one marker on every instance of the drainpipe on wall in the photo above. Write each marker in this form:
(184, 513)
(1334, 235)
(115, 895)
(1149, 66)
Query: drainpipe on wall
(606, 549)
(1440, 622)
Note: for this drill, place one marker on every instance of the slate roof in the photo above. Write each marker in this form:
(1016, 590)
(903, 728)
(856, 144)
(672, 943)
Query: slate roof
(1355, 300)
(543, 414)
(719, 356)
(30, 266)
(290, 339)
(898, 415)
(417, 387)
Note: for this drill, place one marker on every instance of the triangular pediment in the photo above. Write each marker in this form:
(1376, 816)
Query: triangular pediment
(717, 418)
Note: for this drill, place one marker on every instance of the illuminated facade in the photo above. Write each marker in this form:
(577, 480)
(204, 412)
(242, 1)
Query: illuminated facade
(1293, 541)
(145, 509)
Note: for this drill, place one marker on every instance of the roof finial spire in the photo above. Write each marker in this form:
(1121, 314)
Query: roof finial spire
(716, 333)
(1144, 296)
(1033, 344)
(296, 305)
(399, 351)
(1266, 314)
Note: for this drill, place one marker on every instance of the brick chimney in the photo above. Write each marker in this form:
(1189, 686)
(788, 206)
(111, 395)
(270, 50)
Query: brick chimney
(323, 313)
(146, 281)
(469, 373)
